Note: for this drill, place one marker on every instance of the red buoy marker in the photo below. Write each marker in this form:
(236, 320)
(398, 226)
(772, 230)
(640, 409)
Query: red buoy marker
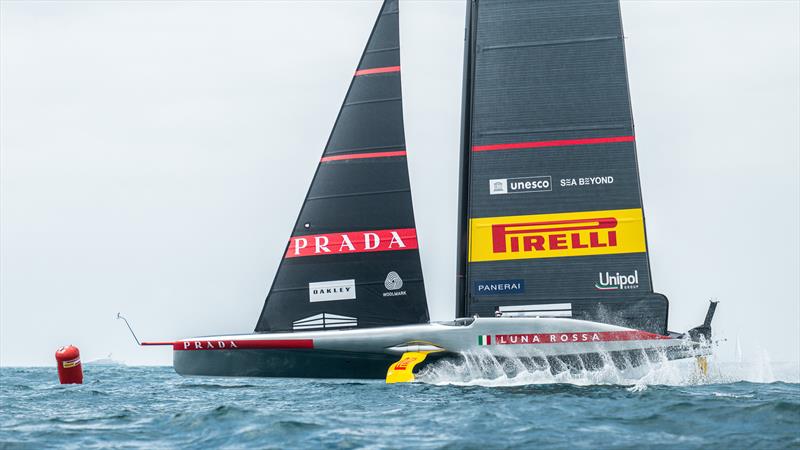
(68, 360)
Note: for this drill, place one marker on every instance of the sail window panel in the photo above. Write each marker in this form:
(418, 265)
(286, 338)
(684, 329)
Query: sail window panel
(360, 177)
(526, 22)
(578, 178)
(384, 57)
(570, 88)
(385, 35)
(367, 126)
(365, 212)
(377, 87)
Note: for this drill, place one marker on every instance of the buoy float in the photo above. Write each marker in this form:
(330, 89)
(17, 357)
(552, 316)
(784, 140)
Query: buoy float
(68, 361)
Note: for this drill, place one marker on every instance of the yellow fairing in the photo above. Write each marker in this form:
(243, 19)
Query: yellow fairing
(702, 364)
(403, 370)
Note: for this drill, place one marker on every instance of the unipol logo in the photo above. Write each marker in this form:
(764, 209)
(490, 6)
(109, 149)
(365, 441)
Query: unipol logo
(352, 242)
(554, 236)
(617, 282)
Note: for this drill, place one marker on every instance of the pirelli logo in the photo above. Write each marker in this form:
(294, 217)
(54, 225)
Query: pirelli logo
(557, 235)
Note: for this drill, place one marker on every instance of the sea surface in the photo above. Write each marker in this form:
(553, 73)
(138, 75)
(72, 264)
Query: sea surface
(735, 406)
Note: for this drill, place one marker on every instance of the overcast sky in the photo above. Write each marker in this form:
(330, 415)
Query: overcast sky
(154, 157)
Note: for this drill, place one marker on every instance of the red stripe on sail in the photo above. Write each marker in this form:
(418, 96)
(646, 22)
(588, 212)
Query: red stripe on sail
(242, 344)
(363, 155)
(387, 69)
(557, 143)
(352, 242)
(576, 337)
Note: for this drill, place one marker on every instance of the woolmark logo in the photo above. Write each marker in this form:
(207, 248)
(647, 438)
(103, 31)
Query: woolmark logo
(499, 287)
(520, 185)
(393, 283)
(617, 282)
(327, 291)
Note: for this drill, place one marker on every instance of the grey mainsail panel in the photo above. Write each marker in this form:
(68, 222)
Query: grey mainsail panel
(352, 260)
(551, 204)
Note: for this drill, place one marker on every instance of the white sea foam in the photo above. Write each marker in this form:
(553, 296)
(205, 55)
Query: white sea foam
(482, 369)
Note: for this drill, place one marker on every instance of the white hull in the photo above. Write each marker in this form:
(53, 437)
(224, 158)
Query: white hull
(285, 354)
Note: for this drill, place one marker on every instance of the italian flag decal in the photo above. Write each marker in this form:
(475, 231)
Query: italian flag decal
(485, 339)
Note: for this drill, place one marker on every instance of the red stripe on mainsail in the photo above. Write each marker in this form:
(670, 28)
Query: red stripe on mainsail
(242, 344)
(363, 155)
(387, 69)
(577, 337)
(352, 242)
(557, 143)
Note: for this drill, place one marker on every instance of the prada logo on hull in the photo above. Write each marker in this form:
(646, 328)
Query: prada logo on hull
(209, 345)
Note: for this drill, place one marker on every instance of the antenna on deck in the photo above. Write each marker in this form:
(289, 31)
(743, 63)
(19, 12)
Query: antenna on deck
(119, 316)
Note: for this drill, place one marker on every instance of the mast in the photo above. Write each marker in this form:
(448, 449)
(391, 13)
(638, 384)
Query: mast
(464, 159)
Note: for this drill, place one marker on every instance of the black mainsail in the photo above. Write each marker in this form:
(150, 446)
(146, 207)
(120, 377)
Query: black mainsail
(551, 208)
(352, 260)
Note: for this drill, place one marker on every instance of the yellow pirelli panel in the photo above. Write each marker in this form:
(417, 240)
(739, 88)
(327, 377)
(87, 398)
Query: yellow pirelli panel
(557, 235)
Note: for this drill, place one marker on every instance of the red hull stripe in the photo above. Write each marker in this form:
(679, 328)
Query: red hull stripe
(352, 242)
(242, 344)
(558, 143)
(577, 337)
(363, 155)
(388, 69)
(158, 343)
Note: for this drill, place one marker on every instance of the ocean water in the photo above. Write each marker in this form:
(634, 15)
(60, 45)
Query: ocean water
(735, 406)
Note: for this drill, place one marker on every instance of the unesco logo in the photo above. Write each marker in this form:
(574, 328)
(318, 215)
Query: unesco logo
(520, 185)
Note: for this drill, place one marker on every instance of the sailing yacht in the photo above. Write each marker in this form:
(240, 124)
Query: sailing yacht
(552, 252)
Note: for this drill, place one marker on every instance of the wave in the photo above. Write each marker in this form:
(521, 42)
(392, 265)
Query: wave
(484, 369)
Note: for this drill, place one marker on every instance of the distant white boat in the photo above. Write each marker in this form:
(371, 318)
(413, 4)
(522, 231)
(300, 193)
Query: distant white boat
(107, 361)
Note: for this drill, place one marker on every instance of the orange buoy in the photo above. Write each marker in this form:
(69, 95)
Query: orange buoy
(68, 360)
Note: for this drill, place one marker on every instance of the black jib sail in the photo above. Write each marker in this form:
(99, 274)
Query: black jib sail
(551, 208)
(352, 259)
